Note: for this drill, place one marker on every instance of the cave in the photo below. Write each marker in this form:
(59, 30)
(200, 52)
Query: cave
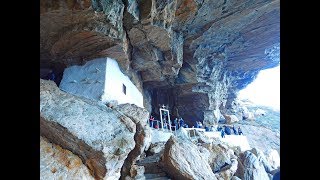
(189, 55)
(195, 68)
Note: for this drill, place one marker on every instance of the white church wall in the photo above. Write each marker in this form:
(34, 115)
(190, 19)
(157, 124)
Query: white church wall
(114, 86)
(87, 81)
(102, 80)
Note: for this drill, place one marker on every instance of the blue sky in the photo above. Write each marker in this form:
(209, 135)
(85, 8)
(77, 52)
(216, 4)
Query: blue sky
(265, 89)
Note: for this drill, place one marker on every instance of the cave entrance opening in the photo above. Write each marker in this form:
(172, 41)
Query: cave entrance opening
(163, 97)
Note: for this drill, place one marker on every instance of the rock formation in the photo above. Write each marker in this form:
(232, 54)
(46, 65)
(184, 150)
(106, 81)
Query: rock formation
(260, 112)
(192, 55)
(228, 171)
(87, 139)
(102, 138)
(59, 163)
(274, 159)
(219, 157)
(253, 168)
(182, 160)
(231, 119)
(142, 139)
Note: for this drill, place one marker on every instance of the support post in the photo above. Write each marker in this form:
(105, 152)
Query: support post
(161, 119)
(169, 121)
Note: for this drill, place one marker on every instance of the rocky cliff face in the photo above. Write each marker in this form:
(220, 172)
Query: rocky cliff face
(194, 55)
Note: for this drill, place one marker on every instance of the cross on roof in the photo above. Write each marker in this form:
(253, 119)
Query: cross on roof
(163, 106)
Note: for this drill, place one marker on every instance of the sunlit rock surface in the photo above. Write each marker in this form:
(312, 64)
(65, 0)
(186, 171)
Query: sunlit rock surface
(100, 136)
(56, 162)
(274, 158)
(253, 168)
(182, 160)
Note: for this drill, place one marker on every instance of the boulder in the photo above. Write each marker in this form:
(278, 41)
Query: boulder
(136, 172)
(112, 103)
(274, 159)
(182, 160)
(251, 116)
(202, 138)
(100, 136)
(260, 112)
(248, 116)
(136, 113)
(219, 157)
(273, 172)
(142, 139)
(139, 116)
(56, 162)
(235, 178)
(228, 171)
(231, 119)
(155, 148)
(253, 168)
(245, 112)
(203, 148)
(182, 133)
(261, 158)
(240, 169)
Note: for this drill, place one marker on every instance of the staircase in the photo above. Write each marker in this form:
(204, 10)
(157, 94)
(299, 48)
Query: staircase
(152, 168)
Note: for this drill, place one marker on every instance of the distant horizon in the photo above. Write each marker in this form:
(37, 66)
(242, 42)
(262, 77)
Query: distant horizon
(265, 89)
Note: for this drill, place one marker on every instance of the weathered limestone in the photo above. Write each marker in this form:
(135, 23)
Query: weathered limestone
(228, 171)
(274, 159)
(182, 160)
(156, 148)
(261, 158)
(56, 162)
(142, 139)
(204, 51)
(231, 119)
(253, 168)
(100, 136)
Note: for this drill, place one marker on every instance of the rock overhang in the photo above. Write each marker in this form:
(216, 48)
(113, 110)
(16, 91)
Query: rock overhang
(191, 46)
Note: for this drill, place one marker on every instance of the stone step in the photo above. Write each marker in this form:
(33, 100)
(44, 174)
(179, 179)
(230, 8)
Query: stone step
(152, 169)
(151, 165)
(160, 178)
(149, 159)
(159, 175)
